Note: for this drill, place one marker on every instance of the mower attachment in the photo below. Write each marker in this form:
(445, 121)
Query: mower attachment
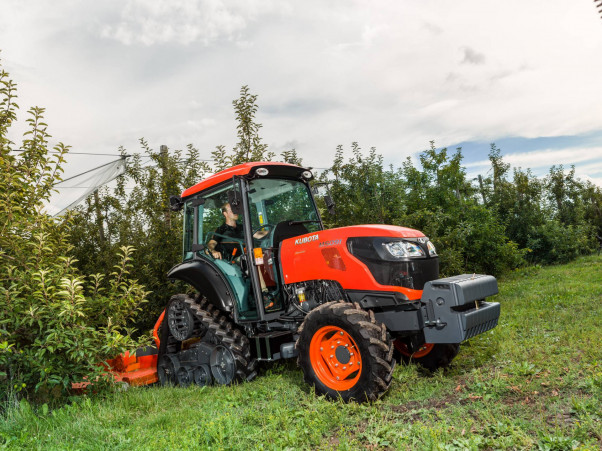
(454, 308)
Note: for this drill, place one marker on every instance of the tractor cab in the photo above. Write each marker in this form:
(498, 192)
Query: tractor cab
(264, 204)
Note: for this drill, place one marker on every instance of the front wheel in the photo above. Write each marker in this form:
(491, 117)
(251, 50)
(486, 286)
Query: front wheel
(430, 355)
(344, 352)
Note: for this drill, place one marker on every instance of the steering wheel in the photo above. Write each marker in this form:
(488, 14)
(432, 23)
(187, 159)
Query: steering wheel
(229, 240)
(269, 228)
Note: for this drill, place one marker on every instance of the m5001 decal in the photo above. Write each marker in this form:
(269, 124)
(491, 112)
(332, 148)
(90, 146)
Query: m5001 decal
(330, 243)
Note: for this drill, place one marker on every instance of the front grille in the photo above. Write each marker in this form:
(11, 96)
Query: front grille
(409, 273)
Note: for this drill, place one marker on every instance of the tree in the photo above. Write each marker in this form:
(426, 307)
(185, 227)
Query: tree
(136, 212)
(249, 146)
(365, 191)
(546, 217)
(56, 325)
(436, 199)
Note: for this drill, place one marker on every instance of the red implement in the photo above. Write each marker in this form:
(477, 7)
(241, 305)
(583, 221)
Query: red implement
(135, 369)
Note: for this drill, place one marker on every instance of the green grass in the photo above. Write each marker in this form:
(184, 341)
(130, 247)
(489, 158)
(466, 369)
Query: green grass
(534, 382)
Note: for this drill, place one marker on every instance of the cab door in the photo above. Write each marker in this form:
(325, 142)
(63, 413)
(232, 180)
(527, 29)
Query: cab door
(202, 221)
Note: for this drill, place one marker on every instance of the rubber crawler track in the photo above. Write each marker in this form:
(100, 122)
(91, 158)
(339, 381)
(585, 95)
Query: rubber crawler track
(214, 327)
(376, 346)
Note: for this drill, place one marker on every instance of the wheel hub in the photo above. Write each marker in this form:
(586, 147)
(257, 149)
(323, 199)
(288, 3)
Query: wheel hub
(223, 366)
(335, 358)
(202, 375)
(404, 349)
(342, 354)
(167, 369)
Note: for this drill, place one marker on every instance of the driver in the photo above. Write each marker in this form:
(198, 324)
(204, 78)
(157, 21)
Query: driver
(218, 245)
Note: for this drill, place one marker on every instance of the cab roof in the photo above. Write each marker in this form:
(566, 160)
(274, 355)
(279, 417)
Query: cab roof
(275, 168)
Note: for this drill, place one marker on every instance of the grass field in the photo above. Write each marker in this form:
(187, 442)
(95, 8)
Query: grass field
(534, 382)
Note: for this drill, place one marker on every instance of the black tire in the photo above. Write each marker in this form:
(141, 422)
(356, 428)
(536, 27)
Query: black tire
(359, 328)
(211, 326)
(440, 355)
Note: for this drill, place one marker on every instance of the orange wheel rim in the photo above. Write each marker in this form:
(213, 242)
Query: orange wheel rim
(422, 351)
(335, 358)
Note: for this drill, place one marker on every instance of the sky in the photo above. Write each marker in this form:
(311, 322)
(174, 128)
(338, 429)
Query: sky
(393, 75)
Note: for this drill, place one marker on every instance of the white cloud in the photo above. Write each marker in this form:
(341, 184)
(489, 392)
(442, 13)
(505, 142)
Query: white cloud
(548, 157)
(587, 162)
(594, 180)
(182, 21)
(387, 74)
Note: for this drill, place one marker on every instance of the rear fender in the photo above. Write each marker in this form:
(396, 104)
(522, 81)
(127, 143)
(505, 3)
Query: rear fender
(207, 279)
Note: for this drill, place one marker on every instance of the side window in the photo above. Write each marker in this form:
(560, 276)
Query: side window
(211, 222)
(200, 213)
(212, 219)
(188, 231)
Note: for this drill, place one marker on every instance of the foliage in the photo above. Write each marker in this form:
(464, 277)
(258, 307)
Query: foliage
(249, 146)
(437, 199)
(55, 324)
(533, 382)
(554, 219)
(366, 192)
(490, 227)
(136, 212)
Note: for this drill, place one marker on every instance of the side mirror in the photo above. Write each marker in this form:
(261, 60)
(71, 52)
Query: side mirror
(329, 203)
(175, 203)
(235, 202)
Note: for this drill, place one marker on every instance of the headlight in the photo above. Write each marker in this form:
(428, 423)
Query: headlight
(400, 249)
(431, 247)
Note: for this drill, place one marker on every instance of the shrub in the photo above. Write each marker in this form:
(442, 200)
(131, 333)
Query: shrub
(55, 324)
(554, 242)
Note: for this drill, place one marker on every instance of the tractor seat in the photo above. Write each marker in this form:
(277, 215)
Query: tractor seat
(284, 230)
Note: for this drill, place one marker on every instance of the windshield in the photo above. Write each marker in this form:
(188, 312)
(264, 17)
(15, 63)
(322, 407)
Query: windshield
(272, 201)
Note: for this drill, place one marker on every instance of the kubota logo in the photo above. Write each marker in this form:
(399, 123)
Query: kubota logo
(307, 239)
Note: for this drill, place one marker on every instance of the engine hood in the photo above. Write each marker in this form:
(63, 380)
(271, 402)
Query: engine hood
(380, 230)
(342, 233)
(324, 255)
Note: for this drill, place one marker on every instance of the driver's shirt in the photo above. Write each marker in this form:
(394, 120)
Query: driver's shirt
(223, 244)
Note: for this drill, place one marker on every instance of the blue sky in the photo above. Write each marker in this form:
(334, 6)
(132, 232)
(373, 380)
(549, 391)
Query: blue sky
(539, 154)
(391, 74)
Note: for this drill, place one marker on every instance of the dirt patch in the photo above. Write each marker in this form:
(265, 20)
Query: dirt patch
(460, 397)
(564, 418)
(334, 441)
(414, 409)
(430, 404)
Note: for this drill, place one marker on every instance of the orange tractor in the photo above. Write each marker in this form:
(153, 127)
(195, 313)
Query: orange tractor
(274, 284)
